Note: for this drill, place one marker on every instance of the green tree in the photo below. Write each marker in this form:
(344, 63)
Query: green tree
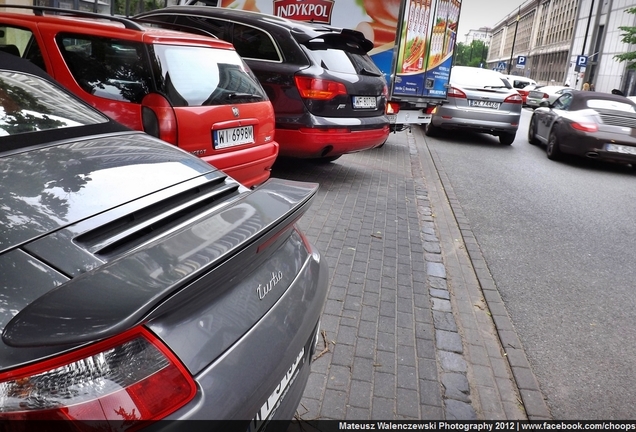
(628, 37)
(473, 54)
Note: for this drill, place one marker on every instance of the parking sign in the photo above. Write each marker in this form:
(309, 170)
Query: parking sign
(521, 61)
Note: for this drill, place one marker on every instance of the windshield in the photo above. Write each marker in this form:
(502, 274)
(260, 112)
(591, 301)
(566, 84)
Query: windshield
(30, 104)
(196, 76)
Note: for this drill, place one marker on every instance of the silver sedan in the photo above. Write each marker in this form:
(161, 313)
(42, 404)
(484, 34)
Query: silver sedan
(545, 94)
(479, 100)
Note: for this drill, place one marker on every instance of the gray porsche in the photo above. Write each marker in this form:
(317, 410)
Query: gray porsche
(138, 283)
(589, 124)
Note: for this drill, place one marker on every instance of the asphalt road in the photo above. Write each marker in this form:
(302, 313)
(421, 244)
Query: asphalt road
(559, 240)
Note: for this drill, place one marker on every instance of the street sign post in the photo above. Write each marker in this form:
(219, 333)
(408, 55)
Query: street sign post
(581, 62)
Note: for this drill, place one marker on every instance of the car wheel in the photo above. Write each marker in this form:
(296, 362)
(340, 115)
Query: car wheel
(507, 138)
(552, 149)
(431, 130)
(532, 132)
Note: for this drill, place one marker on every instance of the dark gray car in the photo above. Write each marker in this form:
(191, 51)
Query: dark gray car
(139, 282)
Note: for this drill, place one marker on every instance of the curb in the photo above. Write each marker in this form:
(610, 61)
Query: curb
(502, 381)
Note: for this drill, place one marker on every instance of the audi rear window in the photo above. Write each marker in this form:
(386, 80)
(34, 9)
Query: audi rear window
(201, 76)
(31, 104)
(338, 60)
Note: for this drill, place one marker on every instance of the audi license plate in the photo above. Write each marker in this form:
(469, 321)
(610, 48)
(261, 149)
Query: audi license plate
(270, 405)
(232, 137)
(484, 104)
(620, 149)
(361, 102)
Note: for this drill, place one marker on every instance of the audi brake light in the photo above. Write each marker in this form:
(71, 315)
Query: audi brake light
(319, 89)
(158, 118)
(585, 127)
(456, 93)
(514, 99)
(131, 379)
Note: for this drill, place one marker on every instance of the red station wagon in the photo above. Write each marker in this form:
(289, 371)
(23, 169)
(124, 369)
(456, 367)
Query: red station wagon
(189, 90)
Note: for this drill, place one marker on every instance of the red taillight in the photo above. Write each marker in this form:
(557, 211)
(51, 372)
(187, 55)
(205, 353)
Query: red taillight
(158, 118)
(319, 89)
(585, 127)
(545, 96)
(392, 108)
(456, 93)
(514, 99)
(132, 378)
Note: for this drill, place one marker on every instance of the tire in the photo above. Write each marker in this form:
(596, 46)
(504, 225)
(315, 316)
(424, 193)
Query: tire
(532, 132)
(507, 138)
(431, 130)
(552, 149)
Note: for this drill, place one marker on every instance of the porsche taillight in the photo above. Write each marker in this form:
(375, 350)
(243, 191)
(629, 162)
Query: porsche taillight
(129, 379)
(159, 118)
(585, 127)
(318, 88)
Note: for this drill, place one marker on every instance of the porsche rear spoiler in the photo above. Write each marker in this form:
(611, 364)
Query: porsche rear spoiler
(125, 288)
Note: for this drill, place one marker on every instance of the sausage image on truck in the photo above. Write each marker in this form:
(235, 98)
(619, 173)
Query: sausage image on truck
(413, 43)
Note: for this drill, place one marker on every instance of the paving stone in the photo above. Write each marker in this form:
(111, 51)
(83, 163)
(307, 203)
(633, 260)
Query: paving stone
(448, 341)
(458, 410)
(456, 386)
(452, 362)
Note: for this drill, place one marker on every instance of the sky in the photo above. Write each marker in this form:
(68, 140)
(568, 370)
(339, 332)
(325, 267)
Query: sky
(483, 13)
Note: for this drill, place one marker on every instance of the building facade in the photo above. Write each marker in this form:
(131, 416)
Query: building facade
(481, 34)
(539, 31)
(566, 41)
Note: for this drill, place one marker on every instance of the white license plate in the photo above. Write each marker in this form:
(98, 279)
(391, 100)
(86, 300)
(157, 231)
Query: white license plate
(616, 148)
(364, 102)
(483, 104)
(234, 136)
(268, 408)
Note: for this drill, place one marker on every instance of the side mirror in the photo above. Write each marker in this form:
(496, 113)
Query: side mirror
(544, 104)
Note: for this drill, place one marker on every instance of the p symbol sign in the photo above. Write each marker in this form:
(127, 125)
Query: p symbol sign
(581, 60)
(521, 60)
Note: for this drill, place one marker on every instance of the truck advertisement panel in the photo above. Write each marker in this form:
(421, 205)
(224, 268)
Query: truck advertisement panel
(419, 59)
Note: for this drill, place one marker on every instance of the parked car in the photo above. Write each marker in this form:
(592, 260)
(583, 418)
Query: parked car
(589, 124)
(328, 95)
(522, 84)
(479, 100)
(190, 90)
(139, 282)
(545, 94)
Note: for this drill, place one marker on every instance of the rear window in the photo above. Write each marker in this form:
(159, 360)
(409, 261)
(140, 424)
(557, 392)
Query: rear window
(197, 76)
(30, 104)
(105, 67)
(475, 77)
(338, 60)
(611, 105)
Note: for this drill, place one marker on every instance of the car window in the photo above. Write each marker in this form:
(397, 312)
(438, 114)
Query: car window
(519, 84)
(611, 105)
(108, 68)
(219, 28)
(30, 104)
(195, 76)
(563, 102)
(21, 42)
(253, 43)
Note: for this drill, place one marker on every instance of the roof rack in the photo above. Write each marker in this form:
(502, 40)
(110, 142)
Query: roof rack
(39, 10)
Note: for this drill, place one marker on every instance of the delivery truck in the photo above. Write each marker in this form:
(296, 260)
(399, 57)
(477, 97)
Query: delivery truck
(413, 43)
